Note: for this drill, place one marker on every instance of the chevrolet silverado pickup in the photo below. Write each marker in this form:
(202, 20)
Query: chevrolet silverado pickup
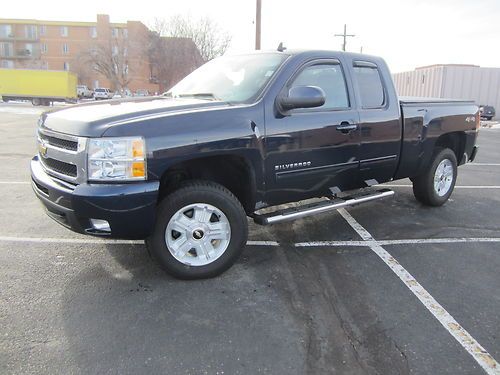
(238, 137)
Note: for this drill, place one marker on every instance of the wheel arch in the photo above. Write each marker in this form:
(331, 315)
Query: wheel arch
(233, 171)
(455, 141)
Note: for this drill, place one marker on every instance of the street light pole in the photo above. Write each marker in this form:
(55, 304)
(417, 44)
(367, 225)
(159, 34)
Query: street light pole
(257, 24)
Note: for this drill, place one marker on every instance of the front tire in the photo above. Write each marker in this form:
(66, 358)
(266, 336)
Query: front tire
(436, 184)
(200, 231)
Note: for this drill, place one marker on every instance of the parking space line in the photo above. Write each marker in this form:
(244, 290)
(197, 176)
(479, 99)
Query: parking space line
(480, 354)
(15, 182)
(364, 243)
(92, 241)
(456, 186)
(482, 164)
(408, 241)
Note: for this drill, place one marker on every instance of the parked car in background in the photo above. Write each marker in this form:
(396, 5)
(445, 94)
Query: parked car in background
(142, 92)
(102, 93)
(487, 112)
(84, 92)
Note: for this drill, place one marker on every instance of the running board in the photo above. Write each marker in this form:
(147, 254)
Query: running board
(319, 207)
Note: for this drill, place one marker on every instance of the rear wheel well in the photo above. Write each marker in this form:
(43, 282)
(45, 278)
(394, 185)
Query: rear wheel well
(454, 141)
(232, 172)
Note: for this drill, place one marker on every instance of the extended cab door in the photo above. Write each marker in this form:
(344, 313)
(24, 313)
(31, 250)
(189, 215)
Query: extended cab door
(311, 150)
(380, 121)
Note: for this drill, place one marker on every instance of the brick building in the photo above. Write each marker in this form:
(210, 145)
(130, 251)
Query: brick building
(62, 45)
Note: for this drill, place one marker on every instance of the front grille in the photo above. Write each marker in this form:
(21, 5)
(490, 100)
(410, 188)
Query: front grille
(60, 166)
(61, 143)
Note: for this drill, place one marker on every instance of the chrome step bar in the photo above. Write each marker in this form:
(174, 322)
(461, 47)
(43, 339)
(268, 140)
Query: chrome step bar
(319, 207)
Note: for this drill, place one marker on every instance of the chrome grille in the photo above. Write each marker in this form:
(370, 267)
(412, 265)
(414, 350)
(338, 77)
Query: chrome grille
(62, 155)
(60, 166)
(59, 142)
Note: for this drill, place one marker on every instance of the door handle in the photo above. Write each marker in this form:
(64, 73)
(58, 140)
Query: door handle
(345, 128)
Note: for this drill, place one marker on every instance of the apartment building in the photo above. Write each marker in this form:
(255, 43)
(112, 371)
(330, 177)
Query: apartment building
(62, 45)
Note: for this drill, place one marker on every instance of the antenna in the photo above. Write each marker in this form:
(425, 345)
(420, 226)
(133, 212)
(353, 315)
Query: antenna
(281, 47)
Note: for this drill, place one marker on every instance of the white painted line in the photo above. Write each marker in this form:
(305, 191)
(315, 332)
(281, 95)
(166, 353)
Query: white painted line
(482, 357)
(262, 243)
(331, 243)
(408, 241)
(93, 241)
(90, 240)
(15, 182)
(456, 186)
(482, 164)
(438, 240)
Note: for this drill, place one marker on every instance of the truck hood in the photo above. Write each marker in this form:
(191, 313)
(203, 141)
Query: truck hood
(93, 119)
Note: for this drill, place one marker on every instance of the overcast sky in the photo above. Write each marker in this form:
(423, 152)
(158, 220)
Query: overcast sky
(407, 33)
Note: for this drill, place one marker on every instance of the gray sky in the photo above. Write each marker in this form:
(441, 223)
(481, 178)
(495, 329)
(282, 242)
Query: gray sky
(407, 33)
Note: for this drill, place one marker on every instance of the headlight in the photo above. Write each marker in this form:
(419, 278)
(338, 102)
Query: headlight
(121, 159)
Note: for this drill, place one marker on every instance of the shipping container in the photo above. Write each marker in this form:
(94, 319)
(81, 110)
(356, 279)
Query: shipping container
(38, 86)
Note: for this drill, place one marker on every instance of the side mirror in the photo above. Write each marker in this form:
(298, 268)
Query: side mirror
(303, 97)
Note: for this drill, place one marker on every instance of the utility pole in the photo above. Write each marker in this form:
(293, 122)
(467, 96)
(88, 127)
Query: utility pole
(257, 24)
(345, 35)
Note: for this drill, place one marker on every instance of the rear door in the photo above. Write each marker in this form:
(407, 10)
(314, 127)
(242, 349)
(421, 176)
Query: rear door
(380, 122)
(311, 150)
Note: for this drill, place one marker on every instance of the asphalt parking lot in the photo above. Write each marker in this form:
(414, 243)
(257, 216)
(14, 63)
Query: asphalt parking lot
(390, 287)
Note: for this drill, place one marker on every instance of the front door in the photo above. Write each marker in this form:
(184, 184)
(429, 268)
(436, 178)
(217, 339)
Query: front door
(309, 151)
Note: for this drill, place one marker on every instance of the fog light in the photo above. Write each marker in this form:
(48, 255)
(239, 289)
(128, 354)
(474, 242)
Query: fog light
(100, 225)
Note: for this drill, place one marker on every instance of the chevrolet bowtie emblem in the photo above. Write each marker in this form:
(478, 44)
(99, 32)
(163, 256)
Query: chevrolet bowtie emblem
(42, 148)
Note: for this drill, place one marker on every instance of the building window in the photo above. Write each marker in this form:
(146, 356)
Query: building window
(6, 49)
(93, 32)
(43, 30)
(66, 65)
(65, 49)
(64, 30)
(28, 49)
(44, 48)
(6, 31)
(114, 32)
(114, 50)
(7, 64)
(30, 31)
(125, 33)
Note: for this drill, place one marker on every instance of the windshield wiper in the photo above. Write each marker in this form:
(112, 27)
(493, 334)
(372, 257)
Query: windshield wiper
(201, 95)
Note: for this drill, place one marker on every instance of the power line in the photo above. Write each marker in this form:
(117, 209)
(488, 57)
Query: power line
(345, 35)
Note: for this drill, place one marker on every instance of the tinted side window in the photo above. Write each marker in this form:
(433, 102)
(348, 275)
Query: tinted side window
(370, 87)
(330, 78)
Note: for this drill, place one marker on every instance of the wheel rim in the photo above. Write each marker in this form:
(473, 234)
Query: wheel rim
(198, 234)
(443, 177)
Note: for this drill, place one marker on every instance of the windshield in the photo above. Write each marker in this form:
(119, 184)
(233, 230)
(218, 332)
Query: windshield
(229, 78)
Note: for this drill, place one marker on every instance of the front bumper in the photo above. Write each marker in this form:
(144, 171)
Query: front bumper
(130, 209)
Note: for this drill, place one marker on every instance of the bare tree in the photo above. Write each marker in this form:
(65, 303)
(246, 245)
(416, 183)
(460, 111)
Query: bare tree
(171, 59)
(208, 37)
(116, 58)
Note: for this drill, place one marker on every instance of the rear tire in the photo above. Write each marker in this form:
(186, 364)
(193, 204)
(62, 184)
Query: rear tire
(436, 184)
(200, 231)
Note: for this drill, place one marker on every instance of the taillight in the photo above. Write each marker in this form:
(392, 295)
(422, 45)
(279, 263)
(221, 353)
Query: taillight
(478, 120)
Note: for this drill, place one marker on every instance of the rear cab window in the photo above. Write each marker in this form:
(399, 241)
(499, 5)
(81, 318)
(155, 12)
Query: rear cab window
(370, 86)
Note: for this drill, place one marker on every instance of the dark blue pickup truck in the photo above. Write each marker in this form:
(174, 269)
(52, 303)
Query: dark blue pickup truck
(240, 134)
